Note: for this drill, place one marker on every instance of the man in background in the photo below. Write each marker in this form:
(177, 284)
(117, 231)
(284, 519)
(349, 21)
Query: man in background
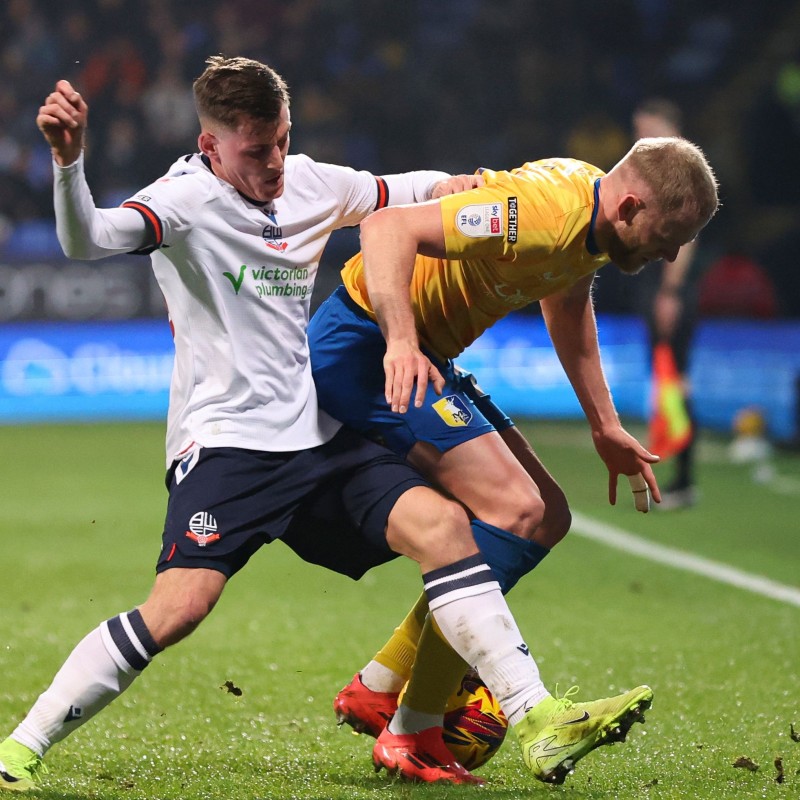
(666, 296)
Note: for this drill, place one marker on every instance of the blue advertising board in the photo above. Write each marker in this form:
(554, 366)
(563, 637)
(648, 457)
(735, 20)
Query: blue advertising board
(121, 370)
(84, 371)
(735, 364)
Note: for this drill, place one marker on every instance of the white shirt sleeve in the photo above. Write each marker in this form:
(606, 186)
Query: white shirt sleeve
(359, 192)
(412, 187)
(86, 232)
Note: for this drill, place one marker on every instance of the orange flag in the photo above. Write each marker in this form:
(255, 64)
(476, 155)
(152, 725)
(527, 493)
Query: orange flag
(670, 426)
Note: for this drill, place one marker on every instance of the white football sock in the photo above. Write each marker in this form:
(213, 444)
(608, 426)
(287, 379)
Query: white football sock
(406, 720)
(473, 615)
(378, 678)
(102, 665)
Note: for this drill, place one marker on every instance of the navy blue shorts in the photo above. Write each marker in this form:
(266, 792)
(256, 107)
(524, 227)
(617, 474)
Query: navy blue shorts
(329, 504)
(347, 350)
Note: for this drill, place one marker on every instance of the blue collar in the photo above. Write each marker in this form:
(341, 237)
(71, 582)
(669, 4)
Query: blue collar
(591, 244)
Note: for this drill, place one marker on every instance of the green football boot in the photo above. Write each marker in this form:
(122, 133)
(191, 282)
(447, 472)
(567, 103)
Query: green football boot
(555, 734)
(19, 766)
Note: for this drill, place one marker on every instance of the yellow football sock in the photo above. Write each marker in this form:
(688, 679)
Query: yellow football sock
(437, 672)
(399, 652)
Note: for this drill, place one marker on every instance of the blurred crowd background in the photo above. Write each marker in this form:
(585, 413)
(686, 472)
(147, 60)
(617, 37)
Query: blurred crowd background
(450, 84)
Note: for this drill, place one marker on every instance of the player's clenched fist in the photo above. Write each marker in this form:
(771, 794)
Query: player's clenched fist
(62, 121)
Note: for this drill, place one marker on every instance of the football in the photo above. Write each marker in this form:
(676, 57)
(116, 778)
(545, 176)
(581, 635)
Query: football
(474, 725)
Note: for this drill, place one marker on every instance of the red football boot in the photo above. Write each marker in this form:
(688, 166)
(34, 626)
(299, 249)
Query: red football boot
(421, 757)
(364, 710)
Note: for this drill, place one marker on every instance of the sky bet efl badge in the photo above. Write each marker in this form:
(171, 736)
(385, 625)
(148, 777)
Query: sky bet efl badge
(479, 220)
(453, 411)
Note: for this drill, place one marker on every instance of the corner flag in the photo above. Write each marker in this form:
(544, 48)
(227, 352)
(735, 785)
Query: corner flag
(670, 426)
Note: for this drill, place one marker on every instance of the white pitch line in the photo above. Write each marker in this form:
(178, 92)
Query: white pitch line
(680, 559)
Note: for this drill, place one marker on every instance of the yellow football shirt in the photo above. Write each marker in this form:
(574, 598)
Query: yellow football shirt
(520, 237)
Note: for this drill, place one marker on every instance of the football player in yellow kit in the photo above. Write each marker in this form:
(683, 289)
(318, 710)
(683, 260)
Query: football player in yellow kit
(429, 280)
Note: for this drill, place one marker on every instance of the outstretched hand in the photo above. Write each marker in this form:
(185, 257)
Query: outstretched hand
(624, 455)
(62, 121)
(456, 184)
(405, 364)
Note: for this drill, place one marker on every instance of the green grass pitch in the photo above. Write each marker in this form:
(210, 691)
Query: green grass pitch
(81, 509)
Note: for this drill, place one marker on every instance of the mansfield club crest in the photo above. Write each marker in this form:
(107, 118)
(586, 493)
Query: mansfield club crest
(453, 411)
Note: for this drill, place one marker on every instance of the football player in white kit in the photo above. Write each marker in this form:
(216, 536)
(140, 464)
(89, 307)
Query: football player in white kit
(235, 234)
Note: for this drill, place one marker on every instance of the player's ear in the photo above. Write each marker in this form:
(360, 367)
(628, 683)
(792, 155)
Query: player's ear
(628, 207)
(208, 142)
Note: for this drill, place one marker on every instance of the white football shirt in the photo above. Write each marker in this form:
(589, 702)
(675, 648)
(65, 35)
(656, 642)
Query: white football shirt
(237, 278)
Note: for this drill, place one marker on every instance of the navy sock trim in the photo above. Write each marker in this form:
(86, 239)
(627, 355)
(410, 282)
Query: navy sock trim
(464, 574)
(142, 634)
(466, 563)
(124, 644)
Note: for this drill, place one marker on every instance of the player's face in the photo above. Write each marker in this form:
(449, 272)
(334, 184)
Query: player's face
(251, 158)
(650, 236)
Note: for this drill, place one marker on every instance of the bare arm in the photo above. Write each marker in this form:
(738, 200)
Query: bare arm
(390, 241)
(570, 320)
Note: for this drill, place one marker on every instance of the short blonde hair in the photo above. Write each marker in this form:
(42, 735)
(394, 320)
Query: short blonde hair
(678, 174)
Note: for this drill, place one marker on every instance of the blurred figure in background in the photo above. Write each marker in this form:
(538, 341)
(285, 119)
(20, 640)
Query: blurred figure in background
(667, 298)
